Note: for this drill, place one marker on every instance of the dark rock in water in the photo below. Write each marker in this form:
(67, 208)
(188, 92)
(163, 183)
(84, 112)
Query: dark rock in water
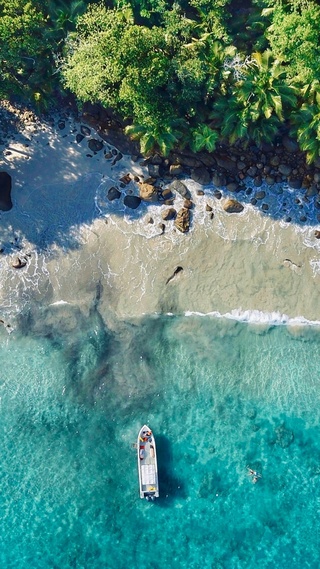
(270, 180)
(208, 207)
(253, 201)
(162, 227)
(284, 437)
(182, 221)
(232, 187)
(288, 219)
(258, 181)
(113, 194)
(132, 201)
(294, 183)
(201, 176)
(61, 125)
(218, 179)
(95, 145)
(79, 138)
(217, 194)
(317, 234)
(5, 191)
(179, 187)
(200, 193)
(312, 191)
(260, 195)
(169, 213)
(85, 130)
(233, 206)
(264, 207)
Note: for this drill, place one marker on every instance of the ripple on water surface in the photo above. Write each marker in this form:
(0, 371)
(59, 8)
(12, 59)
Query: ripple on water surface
(219, 395)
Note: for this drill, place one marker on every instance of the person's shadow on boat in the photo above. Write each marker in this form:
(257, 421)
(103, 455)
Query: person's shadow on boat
(170, 488)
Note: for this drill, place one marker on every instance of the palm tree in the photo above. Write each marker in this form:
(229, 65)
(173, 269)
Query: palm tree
(156, 136)
(264, 89)
(229, 117)
(305, 123)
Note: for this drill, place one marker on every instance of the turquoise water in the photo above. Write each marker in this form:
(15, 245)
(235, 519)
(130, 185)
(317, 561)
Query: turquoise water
(219, 395)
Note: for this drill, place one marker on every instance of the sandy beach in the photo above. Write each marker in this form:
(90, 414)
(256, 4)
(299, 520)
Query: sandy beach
(83, 250)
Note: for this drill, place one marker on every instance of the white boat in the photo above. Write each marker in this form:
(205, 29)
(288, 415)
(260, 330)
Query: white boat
(147, 464)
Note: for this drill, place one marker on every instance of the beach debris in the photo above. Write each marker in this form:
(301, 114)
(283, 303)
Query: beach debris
(232, 206)
(182, 221)
(5, 191)
(208, 207)
(174, 274)
(113, 194)
(18, 263)
(148, 192)
(169, 213)
(132, 201)
(293, 266)
(162, 227)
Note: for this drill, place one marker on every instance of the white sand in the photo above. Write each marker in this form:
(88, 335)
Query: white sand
(84, 250)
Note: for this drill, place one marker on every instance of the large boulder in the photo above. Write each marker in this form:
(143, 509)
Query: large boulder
(182, 221)
(169, 213)
(201, 176)
(5, 191)
(219, 180)
(132, 201)
(185, 160)
(95, 145)
(113, 194)
(233, 206)
(177, 186)
(148, 192)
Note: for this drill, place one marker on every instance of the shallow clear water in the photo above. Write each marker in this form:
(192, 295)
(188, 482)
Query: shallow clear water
(219, 395)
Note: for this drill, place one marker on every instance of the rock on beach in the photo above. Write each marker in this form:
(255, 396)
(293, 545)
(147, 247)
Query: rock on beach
(233, 206)
(5, 191)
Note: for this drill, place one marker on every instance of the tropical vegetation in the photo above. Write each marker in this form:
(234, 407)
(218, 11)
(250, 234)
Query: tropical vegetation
(187, 73)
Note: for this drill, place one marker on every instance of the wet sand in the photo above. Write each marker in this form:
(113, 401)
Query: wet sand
(88, 252)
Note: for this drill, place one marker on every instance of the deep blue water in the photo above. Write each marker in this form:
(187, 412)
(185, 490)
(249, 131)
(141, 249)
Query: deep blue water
(219, 395)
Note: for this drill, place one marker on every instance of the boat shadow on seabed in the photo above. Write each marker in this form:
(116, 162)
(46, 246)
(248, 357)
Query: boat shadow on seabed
(169, 486)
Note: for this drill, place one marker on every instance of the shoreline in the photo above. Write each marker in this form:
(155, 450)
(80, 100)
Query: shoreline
(83, 246)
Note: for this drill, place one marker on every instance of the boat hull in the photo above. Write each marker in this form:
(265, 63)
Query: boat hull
(147, 464)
